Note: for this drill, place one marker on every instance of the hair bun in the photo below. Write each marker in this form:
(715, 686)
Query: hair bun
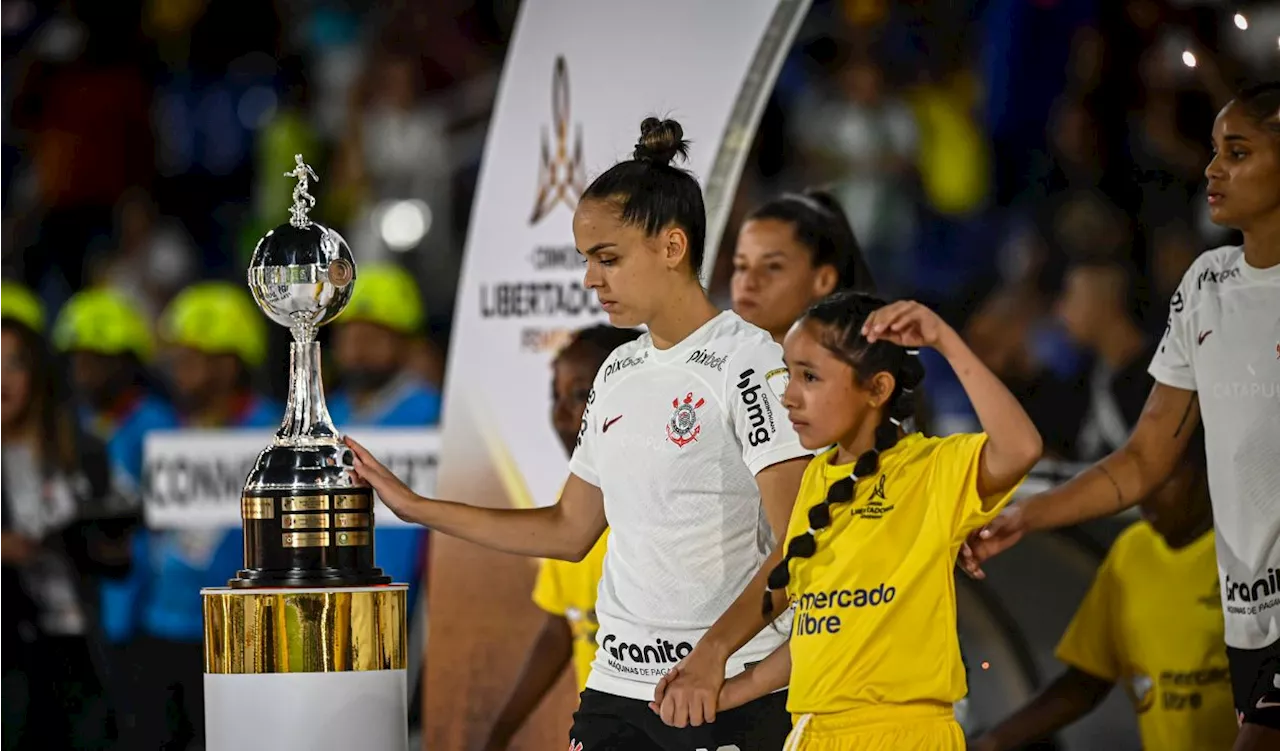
(661, 141)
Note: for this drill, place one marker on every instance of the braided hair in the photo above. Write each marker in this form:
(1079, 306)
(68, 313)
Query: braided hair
(839, 320)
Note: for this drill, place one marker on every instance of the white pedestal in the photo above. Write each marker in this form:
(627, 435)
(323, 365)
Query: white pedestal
(307, 711)
(306, 669)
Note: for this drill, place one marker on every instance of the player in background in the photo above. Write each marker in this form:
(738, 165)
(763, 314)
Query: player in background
(873, 661)
(1219, 361)
(372, 342)
(793, 251)
(213, 337)
(1152, 623)
(682, 452)
(565, 590)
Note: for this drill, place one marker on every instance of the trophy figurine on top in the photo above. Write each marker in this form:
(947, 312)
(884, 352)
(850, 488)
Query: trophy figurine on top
(308, 520)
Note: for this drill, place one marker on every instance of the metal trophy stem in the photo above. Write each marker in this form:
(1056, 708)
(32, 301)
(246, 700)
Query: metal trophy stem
(306, 419)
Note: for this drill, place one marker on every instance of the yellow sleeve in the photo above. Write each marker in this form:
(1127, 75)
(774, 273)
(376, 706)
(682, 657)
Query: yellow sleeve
(548, 590)
(957, 463)
(1089, 643)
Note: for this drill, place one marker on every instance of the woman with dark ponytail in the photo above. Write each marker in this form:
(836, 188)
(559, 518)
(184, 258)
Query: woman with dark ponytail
(791, 252)
(683, 450)
(873, 661)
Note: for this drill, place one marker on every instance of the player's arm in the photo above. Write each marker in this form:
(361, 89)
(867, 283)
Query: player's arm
(1130, 473)
(566, 531)
(1073, 695)
(771, 674)
(548, 656)
(1013, 444)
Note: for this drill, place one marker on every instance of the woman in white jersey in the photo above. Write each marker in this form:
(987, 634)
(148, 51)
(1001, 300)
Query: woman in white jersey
(793, 251)
(684, 451)
(1219, 362)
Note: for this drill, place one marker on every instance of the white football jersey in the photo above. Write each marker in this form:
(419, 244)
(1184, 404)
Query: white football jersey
(1223, 342)
(674, 439)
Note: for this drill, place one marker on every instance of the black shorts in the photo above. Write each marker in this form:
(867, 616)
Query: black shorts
(1255, 684)
(605, 722)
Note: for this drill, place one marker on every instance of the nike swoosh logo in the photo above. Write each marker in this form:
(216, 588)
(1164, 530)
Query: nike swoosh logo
(607, 423)
(1264, 704)
(1203, 335)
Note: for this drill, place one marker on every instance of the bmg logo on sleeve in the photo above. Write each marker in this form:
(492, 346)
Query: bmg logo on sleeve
(759, 412)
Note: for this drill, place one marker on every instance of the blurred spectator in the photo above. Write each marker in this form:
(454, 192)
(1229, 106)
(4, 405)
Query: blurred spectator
(63, 531)
(215, 335)
(396, 156)
(1099, 311)
(108, 340)
(372, 341)
(864, 139)
(150, 257)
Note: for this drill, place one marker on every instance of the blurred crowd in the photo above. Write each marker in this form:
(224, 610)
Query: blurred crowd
(1033, 170)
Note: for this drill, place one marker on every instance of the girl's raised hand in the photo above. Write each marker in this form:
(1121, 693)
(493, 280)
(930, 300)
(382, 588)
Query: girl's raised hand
(906, 323)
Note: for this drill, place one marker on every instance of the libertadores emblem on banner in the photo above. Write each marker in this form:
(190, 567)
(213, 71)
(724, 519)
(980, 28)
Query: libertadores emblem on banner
(561, 177)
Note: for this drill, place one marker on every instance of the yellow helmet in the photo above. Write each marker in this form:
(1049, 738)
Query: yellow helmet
(104, 321)
(20, 304)
(387, 295)
(217, 318)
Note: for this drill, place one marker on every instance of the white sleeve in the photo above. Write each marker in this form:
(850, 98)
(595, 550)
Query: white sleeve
(583, 461)
(1172, 364)
(754, 386)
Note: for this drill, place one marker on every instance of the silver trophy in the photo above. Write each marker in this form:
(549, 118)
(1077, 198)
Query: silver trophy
(308, 521)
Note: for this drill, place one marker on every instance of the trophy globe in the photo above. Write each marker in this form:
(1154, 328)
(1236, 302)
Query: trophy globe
(308, 520)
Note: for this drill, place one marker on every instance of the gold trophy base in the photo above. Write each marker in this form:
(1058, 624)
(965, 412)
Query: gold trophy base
(318, 669)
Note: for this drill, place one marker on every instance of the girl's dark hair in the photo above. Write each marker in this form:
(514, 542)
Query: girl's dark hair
(839, 320)
(651, 193)
(1261, 103)
(595, 343)
(56, 425)
(820, 225)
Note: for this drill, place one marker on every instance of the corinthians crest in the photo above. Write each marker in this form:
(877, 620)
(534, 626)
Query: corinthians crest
(561, 177)
(683, 427)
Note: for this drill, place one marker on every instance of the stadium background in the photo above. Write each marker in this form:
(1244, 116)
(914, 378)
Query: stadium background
(980, 146)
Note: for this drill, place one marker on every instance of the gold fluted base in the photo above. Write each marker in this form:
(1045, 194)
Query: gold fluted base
(250, 631)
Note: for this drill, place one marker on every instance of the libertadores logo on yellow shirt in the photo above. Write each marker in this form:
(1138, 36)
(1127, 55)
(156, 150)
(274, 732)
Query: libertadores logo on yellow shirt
(816, 612)
(877, 506)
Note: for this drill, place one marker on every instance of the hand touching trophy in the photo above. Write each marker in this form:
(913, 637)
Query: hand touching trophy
(308, 521)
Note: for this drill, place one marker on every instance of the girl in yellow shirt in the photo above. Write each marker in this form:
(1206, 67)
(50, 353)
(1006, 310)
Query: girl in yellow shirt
(873, 661)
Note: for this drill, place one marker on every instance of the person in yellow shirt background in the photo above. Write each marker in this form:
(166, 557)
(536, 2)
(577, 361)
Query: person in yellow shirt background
(874, 661)
(1152, 623)
(565, 590)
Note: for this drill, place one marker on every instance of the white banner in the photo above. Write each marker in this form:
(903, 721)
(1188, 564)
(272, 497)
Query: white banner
(579, 77)
(193, 478)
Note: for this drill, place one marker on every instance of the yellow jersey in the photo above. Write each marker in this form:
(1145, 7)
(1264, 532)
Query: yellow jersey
(875, 607)
(1152, 622)
(568, 589)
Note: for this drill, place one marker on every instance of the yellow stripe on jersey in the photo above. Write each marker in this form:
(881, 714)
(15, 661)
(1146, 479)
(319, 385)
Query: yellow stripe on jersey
(875, 607)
